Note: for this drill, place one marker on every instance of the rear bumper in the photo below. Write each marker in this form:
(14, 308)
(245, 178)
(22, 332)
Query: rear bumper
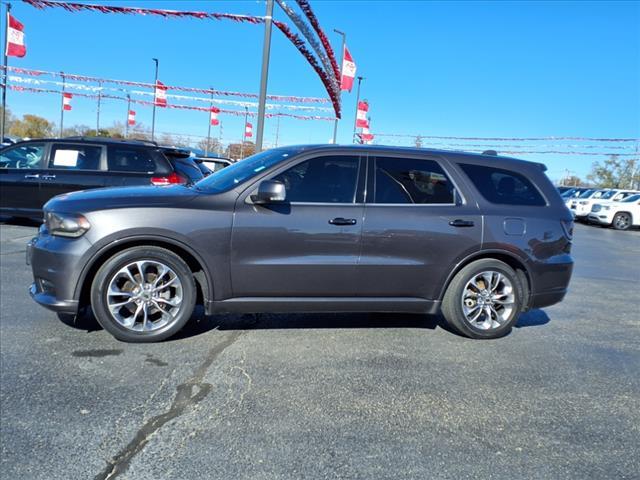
(550, 281)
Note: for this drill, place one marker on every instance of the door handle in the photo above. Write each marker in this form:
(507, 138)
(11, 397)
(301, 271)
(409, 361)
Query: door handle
(48, 177)
(342, 221)
(31, 176)
(458, 222)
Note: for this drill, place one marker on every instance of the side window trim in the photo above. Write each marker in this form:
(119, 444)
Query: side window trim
(458, 197)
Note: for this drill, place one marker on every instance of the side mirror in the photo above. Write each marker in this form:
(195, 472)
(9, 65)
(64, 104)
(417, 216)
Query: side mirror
(269, 191)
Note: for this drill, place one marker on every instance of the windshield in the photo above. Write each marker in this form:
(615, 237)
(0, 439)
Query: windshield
(240, 172)
(569, 193)
(632, 198)
(609, 194)
(586, 193)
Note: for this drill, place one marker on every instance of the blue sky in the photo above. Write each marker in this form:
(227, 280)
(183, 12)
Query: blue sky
(480, 69)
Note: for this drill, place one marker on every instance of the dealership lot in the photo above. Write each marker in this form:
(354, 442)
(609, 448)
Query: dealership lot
(330, 396)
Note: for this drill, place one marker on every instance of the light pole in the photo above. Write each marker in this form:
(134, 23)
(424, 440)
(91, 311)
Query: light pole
(155, 91)
(244, 131)
(206, 150)
(98, 110)
(344, 42)
(355, 121)
(62, 105)
(266, 48)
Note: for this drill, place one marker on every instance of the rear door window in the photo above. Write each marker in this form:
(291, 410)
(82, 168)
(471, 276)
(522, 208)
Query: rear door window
(128, 159)
(504, 187)
(75, 157)
(411, 181)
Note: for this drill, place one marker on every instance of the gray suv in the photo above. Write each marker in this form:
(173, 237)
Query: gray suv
(479, 238)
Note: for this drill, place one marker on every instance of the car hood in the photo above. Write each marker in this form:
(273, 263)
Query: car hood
(121, 197)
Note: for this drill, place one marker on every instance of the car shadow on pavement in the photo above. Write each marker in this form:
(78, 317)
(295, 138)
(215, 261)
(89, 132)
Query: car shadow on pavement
(533, 318)
(200, 324)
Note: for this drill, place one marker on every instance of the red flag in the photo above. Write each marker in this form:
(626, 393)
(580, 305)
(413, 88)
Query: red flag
(66, 101)
(366, 136)
(131, 118)
(361, 115)
(348, 70)
(248, 130)
(214, 116)
(161, 94)
(15, 38)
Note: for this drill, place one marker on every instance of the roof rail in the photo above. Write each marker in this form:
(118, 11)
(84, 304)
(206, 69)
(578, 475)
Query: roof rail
(493, 153)
(111, 139)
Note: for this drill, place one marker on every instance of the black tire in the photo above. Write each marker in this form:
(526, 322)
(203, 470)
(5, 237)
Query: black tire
(621, 221)
(452, 309)
(109, 270)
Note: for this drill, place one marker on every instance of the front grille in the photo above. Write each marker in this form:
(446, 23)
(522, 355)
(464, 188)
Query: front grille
(596, 208)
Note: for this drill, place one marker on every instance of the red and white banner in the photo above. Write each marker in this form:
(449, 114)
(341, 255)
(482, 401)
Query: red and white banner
(348, 70)
(361, 115)
(66, 101)
(160, 94)
(248, 130)
(131, 117)
(213, 116)
(15, 38)
(366, 136)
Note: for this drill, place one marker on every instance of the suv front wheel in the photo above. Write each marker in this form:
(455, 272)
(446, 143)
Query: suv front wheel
(484, 299)
(143, 294)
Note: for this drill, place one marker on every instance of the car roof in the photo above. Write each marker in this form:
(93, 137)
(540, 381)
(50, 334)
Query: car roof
(488, 155)
(102, 140)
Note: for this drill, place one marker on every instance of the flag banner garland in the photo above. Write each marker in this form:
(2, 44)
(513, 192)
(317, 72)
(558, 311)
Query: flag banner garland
(131, 117)
(15, 46)
(248, 130)
(283, 27)
(308, 34)
(348, 70)
(512, 139)
(238, 113)
(306, 8)
(83, 78)
(66, 101)
(213, 116)
(361, 115)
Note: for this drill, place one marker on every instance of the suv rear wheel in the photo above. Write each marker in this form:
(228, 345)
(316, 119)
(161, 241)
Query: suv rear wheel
(143, 294)
(484, 299)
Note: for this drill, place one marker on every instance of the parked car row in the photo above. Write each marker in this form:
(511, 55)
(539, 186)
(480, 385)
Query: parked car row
(34, 171)
(614, 207)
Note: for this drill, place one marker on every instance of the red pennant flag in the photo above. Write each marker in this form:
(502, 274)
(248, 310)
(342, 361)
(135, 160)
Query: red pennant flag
(66, 101)
(248, 130)
(366, 136)
(160, 94)
(361, 115)
(131, 118)
(214, 116)
(348, 70)
(15, 38)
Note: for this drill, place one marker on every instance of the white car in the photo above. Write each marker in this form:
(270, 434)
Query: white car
(581, 205)
(621, 215)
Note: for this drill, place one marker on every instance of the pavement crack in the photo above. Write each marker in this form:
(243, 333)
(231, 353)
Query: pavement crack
(188, 394)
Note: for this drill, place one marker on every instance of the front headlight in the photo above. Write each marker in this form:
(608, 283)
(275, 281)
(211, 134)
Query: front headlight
(606, 207)
(66, 224)
(584, 202)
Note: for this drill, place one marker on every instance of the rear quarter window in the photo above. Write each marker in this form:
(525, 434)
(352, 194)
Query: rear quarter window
(128, 159)
(504, 187)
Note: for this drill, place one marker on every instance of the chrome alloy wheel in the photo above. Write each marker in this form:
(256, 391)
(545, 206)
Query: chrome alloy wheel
(144, 296)
(488, 300)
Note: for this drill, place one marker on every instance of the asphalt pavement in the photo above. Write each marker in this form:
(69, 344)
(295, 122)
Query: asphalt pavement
(357, 396)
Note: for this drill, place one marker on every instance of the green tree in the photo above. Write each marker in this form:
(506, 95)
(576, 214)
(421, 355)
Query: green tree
(615, 173)
(32, 126)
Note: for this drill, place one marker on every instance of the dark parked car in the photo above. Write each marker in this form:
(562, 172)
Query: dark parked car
(34, 171)
(213, 164)
(313, 228)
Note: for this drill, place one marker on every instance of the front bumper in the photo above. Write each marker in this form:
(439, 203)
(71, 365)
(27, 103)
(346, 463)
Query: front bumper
(57, 263)
(601, 218)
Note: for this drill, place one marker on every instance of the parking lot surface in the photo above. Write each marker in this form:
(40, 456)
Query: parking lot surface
(358, 396)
